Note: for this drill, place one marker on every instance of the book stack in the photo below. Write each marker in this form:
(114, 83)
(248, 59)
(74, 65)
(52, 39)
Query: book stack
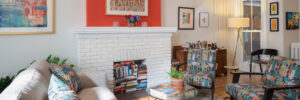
(142, 72)
(163, 91)
(130, 76)
(131, 86)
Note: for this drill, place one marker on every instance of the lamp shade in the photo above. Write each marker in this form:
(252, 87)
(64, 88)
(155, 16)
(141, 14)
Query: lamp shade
(238, 22)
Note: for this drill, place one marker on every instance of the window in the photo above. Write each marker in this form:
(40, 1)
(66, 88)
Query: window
(252, 34)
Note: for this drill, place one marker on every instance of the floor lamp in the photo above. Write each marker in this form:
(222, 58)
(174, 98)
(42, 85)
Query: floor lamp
(238, 23)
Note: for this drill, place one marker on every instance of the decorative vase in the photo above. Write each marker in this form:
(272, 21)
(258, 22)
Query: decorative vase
(177, 83)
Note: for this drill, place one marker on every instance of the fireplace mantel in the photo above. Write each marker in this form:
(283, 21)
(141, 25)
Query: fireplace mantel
(100, 47)
(94, 32)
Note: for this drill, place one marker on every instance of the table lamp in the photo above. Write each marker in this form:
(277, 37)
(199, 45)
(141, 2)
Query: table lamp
(237, 23)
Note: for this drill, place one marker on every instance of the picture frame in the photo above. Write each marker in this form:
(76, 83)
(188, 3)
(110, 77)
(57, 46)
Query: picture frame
(122, 7)
(292, 20)
(274, 9)
(274, 24)
(29, 19)
(203, 19)
(186, 18)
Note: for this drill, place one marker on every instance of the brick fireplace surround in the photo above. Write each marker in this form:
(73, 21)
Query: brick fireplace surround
(100, 47)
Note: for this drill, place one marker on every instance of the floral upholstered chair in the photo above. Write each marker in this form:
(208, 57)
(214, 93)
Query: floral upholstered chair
(201, 67)
(281, 81)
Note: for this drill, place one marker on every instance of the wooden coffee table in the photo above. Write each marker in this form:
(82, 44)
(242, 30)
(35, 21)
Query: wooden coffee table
(187, 93)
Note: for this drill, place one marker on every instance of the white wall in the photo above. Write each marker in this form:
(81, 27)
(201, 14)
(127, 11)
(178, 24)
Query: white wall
(290, 36)
(282, 40)
(170, 19)
(17, 51)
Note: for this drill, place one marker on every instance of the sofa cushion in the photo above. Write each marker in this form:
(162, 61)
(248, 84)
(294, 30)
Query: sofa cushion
(96, 93)
(67, 75)
(201, 60)
(58, 90)
(42, 67)
(282, 71)
(28, 85)
(256, 92)
(199, 78)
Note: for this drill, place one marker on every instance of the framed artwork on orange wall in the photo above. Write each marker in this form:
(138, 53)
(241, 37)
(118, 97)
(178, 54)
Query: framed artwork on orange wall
(127, 7)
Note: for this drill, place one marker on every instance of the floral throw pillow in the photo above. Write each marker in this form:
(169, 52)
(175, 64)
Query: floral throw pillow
(58, 90)
(67, 75)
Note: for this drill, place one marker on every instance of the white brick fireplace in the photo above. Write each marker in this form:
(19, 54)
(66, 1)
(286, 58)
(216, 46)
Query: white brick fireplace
(100, 47)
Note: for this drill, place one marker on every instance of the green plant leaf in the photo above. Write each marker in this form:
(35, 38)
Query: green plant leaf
(63, 62)
(32, 62)
(49, 58)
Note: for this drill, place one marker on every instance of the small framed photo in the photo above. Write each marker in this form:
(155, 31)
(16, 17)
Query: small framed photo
(274, 8)
(186, 18)
(203, 19)
(274, 24)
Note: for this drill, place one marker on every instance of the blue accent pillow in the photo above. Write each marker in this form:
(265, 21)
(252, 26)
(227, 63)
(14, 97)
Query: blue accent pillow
(67, 75)
(59, 90)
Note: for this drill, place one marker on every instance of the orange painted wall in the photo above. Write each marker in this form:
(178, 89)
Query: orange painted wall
(96, 16)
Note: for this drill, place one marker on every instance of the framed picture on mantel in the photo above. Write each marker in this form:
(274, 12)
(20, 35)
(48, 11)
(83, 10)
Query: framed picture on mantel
(186, 18)
(127, 7)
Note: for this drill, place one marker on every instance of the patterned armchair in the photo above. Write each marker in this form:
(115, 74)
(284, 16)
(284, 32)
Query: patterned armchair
(201, 67)
(281, 81)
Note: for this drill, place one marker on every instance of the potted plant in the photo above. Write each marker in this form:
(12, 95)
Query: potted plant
(132, 20)
(177, 79)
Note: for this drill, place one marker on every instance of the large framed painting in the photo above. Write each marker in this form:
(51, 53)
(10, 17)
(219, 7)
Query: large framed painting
(274, 8)
(292, 20)
(127, 7)
(186, 18)
(26, 16)
(274, 24)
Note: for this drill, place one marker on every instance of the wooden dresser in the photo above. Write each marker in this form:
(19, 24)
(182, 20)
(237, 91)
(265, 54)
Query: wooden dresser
(221, 61)
(181, 56)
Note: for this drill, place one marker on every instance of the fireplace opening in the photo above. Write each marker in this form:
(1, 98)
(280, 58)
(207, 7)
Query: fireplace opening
(130, 76)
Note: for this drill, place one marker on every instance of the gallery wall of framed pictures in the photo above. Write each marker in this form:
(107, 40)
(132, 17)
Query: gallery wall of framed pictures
(37, 17)
(186, 20)
(274, 21)
(292, 18)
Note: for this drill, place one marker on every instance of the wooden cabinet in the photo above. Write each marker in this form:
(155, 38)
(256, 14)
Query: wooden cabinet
(221, 61)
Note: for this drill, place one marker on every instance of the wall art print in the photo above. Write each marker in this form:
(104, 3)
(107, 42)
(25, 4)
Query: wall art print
(127, 7)
(203, 19)
(26, 16)
(274, 8)
(274, 24)
(186, 18)
(292, 20)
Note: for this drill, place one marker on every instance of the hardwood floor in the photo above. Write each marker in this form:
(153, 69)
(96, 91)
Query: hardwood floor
(220, 84)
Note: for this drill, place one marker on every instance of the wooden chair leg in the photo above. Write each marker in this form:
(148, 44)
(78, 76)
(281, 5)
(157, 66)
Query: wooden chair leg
(212, 94)
(250, 69)
(231, 98)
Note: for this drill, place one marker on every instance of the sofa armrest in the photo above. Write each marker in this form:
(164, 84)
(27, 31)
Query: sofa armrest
(236, 75)
(92, 79)
(269, 90)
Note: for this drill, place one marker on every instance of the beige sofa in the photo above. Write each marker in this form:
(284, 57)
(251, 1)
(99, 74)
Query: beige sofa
(32, 84)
